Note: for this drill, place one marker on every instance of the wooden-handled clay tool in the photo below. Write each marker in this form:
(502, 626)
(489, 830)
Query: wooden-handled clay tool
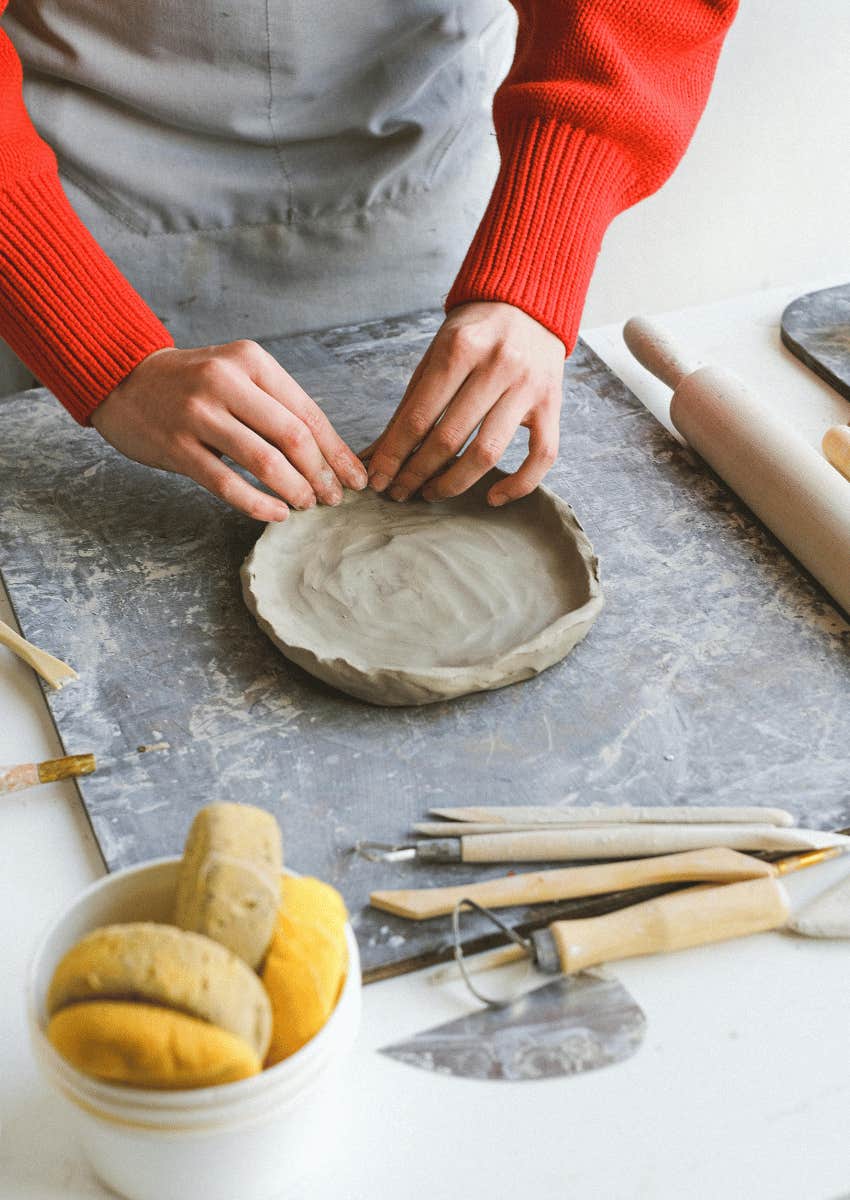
(786, 483)
(52, 670)
(27, 775)
(717, 865)
(615, 814)
(836, 447)
(605, 842)
(705, 913)
(690, 918)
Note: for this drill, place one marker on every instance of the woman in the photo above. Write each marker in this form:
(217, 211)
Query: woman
(259, 168)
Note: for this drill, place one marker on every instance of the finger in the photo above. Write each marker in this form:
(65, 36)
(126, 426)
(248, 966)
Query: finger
(543, 438)
(476, 397)
(411, 384)
(263, 460)
(483, 452)
(269, 375)
(416, 416)
(288, 434)
(210, 472)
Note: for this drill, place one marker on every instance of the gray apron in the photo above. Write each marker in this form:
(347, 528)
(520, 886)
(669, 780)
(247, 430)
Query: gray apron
(262, 167)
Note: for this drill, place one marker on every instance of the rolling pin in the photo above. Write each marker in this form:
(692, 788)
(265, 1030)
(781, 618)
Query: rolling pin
(802, 500)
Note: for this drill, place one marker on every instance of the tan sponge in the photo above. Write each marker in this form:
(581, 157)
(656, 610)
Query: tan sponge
(227, 887)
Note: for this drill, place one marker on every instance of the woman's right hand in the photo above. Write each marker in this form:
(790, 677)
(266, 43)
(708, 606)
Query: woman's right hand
(181, 410)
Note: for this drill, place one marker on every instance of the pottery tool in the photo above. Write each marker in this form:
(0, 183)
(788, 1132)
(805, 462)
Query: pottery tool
(27, 775)
(693, 917)
(717, 865)
(608, 842)
(786, 483)
(827, 916)
(563, 1028)
(616, 935)
(616, 814)
(836, 447)
(53, 670)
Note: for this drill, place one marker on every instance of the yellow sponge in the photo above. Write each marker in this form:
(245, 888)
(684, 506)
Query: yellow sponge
(143, 1045)
(306, 963)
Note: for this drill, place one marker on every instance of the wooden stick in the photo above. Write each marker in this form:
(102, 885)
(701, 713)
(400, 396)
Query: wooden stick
(53, 670)
(17, 779)
(716, 865)
(601, 814)
(636, 841)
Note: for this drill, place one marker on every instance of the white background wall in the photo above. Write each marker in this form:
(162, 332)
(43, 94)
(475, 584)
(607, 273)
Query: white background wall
(762, 198)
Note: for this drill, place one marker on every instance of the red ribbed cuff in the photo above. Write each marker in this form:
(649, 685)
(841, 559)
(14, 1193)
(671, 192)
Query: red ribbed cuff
(65, 308)
(557, 191)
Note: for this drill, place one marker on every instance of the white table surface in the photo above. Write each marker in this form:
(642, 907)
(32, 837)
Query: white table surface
(741, 1088)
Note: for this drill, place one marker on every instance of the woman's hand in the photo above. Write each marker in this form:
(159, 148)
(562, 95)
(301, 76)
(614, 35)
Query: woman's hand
(491, 368)
(181, 410)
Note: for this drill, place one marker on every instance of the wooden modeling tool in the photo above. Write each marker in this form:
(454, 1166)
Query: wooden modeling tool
(52, 670)
(717, 865)
(616, 814)
(836, 447)
(704, 913)
(27, 775)
(786, 483)
(604, 842)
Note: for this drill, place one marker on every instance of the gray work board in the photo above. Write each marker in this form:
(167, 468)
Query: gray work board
(816, 327)
(718, 671)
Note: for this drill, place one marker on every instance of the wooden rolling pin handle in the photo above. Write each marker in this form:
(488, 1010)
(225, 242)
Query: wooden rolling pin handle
(690, 918)
(836, 447)
(656, 350)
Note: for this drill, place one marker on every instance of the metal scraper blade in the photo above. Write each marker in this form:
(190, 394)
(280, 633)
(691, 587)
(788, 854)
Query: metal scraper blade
(575, 1024)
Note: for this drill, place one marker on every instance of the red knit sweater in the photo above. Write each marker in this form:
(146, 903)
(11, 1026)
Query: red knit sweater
(597, 109)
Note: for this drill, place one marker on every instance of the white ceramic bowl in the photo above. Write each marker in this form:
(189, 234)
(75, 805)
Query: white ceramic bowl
(251, 1140)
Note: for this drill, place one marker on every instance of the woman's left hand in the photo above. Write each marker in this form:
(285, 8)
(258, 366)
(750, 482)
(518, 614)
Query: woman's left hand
(490, 368)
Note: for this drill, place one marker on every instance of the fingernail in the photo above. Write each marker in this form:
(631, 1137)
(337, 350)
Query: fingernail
(280, 513)
(398, 493)
(429, 497)
(358, 478)
(497, 500)
(378, 481)
(334, 497)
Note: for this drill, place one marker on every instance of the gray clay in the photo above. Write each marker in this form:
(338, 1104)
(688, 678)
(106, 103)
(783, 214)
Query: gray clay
(412, 603)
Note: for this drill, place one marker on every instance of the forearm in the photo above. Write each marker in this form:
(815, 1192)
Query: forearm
(65, 308)
(598, 108)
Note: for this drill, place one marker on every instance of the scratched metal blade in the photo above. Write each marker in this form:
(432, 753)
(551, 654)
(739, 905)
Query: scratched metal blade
(575, 1024)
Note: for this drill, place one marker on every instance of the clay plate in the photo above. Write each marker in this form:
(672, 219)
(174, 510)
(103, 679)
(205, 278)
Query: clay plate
(414, 603)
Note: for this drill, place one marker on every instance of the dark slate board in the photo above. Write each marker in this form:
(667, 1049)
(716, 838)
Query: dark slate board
(816, 328)
(718, 671)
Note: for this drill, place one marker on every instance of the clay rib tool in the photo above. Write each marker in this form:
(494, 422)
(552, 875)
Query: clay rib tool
(620, 814)
(564, 1028)
(610, 842)
(717, 865)
(53, 670)
(649, 923)
(27, 775)
(796, 493)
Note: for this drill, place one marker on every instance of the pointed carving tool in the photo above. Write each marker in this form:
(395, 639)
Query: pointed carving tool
(608, 842)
